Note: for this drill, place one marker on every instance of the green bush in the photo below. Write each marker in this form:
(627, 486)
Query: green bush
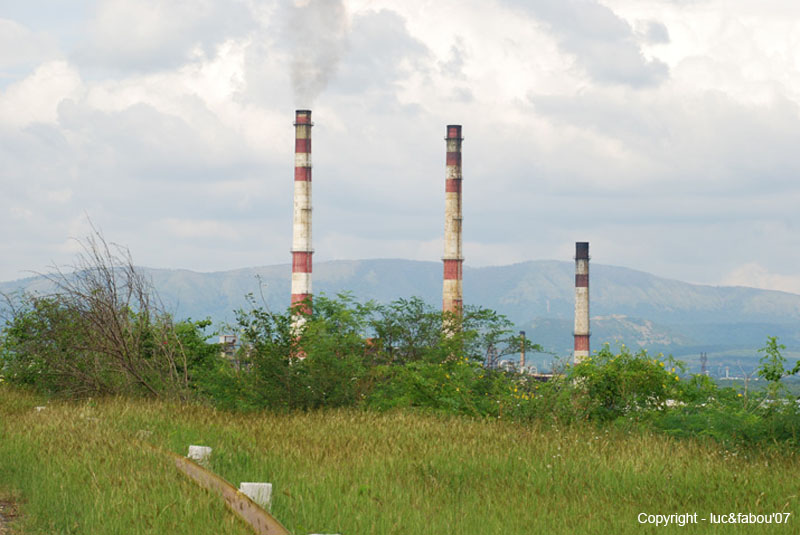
(37, 350)
(290, 361)
(456, 385)
(48, 344)
(733, 418)
(608, 385)
(404, 353)
(102, 331)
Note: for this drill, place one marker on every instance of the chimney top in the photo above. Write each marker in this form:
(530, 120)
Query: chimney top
(303, 117)
(454, 131)
(582, 250)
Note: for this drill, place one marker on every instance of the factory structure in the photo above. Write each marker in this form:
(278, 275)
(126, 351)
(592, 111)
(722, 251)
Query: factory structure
(301, 226)
(453, 258)
(581, 332)
(452, 290)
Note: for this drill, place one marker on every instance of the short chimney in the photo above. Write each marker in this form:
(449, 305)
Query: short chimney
(582, 332)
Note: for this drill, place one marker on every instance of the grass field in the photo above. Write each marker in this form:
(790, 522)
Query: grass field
(78, 467)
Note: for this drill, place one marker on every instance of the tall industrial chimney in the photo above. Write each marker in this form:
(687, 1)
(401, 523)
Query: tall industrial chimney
(452, 297)
(581, 301)
(301, 229)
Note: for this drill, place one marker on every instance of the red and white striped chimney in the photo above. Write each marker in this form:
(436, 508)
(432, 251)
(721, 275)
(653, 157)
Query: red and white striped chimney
(452, 297)
(301, 228)
(581, 301)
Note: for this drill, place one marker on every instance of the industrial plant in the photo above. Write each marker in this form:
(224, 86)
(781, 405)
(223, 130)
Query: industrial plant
(582, 332)
(301, 227)
(452, 292)
(453, 258)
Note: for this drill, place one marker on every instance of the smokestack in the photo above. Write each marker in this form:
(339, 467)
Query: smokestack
(581, 301)
(522, 351)
(452, 297)
(301, 228)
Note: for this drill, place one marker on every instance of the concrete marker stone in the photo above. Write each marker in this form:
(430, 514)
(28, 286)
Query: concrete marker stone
(261, 493)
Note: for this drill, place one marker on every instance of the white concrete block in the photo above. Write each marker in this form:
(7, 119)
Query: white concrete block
(261, 493)
(199, 454)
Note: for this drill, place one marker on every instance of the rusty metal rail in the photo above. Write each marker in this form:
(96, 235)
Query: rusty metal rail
(260, 520)
(8, 514)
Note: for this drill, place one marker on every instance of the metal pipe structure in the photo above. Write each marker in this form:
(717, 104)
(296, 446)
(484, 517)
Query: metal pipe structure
(452, 296)
(582, 332)
(522, 351)
(301, 228)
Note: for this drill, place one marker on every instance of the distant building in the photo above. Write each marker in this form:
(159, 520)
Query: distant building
(228, 344)
(507, 365)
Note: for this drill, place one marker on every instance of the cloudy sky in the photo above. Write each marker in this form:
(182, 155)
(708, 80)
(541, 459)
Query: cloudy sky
(665, 132)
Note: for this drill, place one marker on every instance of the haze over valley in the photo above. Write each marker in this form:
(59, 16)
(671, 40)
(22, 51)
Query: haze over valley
(630, 306)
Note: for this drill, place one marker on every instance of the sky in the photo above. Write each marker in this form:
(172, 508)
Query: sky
(664, 132)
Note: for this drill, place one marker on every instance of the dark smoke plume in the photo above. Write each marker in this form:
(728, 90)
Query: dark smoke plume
(318, 30)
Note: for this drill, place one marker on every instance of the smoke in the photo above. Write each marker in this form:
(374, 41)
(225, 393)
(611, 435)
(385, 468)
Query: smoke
(318, 30)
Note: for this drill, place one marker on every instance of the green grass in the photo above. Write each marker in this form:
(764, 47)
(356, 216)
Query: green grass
(77, 469)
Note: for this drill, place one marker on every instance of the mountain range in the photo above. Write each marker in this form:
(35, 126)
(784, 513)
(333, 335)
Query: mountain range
(627, 306)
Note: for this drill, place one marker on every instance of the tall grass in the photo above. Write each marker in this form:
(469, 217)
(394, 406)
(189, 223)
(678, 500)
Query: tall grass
(78, 468)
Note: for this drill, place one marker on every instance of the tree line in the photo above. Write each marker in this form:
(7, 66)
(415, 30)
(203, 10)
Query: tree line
(103, 331)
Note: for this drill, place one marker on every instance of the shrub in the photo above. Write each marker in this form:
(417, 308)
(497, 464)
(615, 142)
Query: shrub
(404, 353)
(319, 361)
(454, 385)
(608, 385)
(102, 331)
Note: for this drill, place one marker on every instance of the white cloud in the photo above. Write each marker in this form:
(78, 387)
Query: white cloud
(152, 35)
(170, 125)
(36, 98)
(20, 46)
(60, 196)
(332, 245)
(207, 229)
(20, 212)
(754, 275)
(604, 45)
(747, 51)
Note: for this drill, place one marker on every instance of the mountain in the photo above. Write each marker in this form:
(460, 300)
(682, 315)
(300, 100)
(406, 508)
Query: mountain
(641, 309)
